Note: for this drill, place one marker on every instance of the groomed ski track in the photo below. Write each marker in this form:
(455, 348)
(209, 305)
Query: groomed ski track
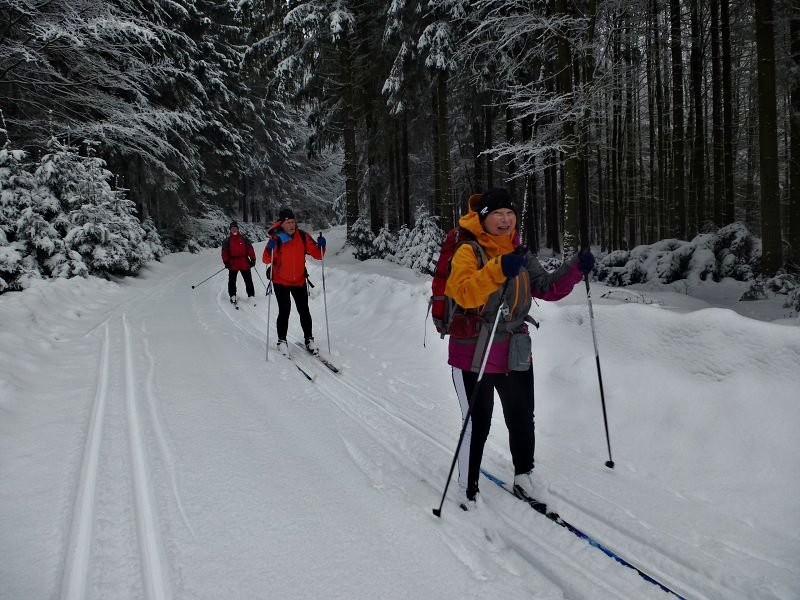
(175, 494)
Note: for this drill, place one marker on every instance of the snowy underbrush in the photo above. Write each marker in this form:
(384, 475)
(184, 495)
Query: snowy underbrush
(788, 285)
(210, 229)
(60, 217)
(416, 248)
(732, 251)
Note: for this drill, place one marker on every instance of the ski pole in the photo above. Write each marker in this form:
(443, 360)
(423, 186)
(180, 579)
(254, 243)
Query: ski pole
(207, 278)
(473, 397)
(269, 294)
(609, 462)
(325, 300)
(262, 281)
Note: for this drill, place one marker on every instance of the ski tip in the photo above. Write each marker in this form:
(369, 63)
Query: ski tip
(437, 512)
(610, 464)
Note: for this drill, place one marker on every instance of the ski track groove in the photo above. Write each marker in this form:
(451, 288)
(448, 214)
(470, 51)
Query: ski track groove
(683, 563)
(563, 573)
(78, 552)
(155, 580)
(160, 436)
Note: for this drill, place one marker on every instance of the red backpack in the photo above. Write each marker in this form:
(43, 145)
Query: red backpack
(443, 308)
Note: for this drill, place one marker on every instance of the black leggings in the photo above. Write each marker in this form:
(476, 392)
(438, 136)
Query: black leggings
(515, 390)
(300, 295)
(248, 283)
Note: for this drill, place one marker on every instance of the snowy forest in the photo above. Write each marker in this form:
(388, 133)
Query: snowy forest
(644, 128)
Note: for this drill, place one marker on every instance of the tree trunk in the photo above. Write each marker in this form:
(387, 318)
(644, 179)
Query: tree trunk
(530, 226)
(632, 211)
(729, 196)
(570, 191)
(488, 142)
(793, 207)
(716, 119)
(349, 134)
(661, 218)
(477, 144)
(448, 217)
(405, 199)
(771, 258)
(436, 201)
(511, 165)
(678, 180)
(697, 182)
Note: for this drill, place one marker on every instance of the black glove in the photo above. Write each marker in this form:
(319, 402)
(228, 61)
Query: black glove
(585, 261)
(512, 263)
(227, 265)
(252, 261)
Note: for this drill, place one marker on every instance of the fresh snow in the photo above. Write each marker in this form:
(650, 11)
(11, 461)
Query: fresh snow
(148, 450)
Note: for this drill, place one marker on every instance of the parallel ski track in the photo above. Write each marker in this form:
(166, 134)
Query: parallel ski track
(677, 563)
(75, 581)
(561, 572)
(76, 569)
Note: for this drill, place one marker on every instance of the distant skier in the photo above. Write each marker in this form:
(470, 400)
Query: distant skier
(238, 255)
(289, 246)
(490, 265)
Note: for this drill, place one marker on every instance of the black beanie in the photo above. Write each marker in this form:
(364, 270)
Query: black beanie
(233, 224)
(492, 200)
(285, 213)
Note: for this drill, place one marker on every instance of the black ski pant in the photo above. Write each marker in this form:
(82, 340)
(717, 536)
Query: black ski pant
(300, 295)
(515, 391)
(248, 282)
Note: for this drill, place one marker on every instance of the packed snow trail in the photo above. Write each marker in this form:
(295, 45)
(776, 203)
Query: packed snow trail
(163, 457)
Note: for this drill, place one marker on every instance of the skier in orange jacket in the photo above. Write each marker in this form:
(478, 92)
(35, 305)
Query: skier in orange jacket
(286, 253)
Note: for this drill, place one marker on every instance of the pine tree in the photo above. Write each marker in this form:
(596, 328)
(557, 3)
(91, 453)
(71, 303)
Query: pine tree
(361, 239)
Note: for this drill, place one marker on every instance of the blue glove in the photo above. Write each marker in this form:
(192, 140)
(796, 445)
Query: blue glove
(512, 263)
(272, 244)
(321, 242)
(585, 262)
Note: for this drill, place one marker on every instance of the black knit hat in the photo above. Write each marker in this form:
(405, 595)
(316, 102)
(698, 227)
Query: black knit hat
(285, 213)
(494, 199)
(233, 224)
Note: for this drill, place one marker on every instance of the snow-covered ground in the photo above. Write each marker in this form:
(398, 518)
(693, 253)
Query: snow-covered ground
(148, 450)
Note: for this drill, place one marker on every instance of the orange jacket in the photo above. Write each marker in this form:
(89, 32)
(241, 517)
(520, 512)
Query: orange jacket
(290, 258)
(468, 285)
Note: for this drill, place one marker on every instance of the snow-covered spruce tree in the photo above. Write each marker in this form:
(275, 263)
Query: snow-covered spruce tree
(36, 219)
(16, 183)
(401, 243)
(422, 249)
(384, 243)
(361, 238)
(104, 228)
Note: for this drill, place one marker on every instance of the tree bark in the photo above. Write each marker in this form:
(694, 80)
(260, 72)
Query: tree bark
(446, 201)
(697, 182)
(570, 191)
(717, 131)
(728, 133)
(771, 255)
(678, 180)
(793, 207)
(349, 135)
